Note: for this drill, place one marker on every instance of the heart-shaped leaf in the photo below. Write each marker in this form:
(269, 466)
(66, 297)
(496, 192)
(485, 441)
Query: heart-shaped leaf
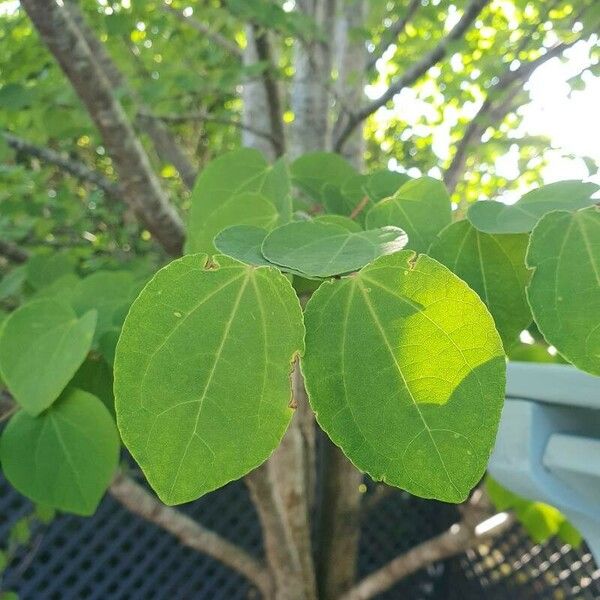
(497, 217)
(313, 170)
(384, 183)
(237, 188)
(246, 208)
(64, 457)
(243, 242)
(405, 372)
(494, 266)
(42, 344)
(106, 292)
(340, 220)
(421, 207)
(564, 292)
(324, 249)
(202, 372)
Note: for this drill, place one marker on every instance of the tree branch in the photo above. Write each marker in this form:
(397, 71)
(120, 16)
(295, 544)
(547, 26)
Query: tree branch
(392, 34)
(141, 187)
(280, 491)
(189, 532)
(413, 73)
(13, 252)
(456, 540)
(63, 162)
(206, 30)
(263, 51)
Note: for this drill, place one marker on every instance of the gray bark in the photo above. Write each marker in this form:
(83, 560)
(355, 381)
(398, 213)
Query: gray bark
(255, 115)
(310, 95)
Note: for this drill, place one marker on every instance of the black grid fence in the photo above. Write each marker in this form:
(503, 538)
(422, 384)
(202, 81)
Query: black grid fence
(115, 555)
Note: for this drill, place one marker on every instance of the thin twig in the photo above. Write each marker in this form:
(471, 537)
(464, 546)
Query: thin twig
(61, 160)
(456, 540)
(359, 207)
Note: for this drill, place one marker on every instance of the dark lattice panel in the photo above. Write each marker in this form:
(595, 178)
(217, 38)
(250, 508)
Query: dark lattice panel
(114, 555)
(515, 567)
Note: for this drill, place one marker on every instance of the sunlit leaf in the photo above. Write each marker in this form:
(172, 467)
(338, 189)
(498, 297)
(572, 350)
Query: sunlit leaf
(405, 372)
(497, 217)
(493, 266)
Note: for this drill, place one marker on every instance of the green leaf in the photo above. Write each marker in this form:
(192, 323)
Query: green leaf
(44, 269)
(60, 289)
(312, 171)
(405, 372)
(564, 291)
(237, 188)
(42, 344)
(324, 249)
(65, 457)
(541, 521)
(421, 207)
(340, 220)
(246, 208)
(12, 283)
(569, 534)
(277, 188)
(243, 242)
(497, 217)
(202, 373)
(95, 377)
(493, 266)
(383, 184)
(107, 292)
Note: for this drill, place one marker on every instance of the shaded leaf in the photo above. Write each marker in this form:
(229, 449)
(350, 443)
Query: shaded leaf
(42, 345)
(312, 171)
(421, 207)
(340, 220)
(497, 217)
(239, 187)
(243, 242)
(564, 291)
(95, 377)
(64, 458)
(44, 269)
(206, 400)
(405, 372)
(324, 249)
(106, 292)
(384, 183)
(246, 208)
(12, 283)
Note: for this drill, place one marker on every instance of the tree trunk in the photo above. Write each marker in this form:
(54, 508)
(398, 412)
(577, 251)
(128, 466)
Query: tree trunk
(255, 104)
(310, 95)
